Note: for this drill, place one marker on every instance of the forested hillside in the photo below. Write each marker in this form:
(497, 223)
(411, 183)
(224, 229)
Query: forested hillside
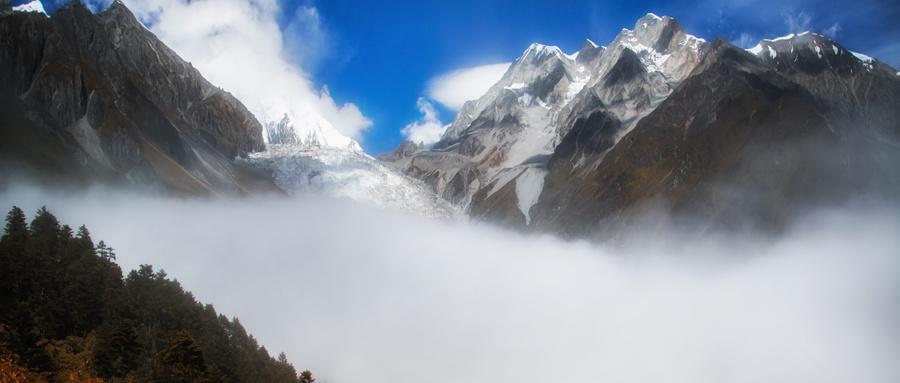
(68, 315)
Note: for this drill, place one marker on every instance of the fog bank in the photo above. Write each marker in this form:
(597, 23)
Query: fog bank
(363, 295)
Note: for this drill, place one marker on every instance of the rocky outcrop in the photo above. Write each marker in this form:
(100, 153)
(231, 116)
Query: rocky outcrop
(406, 149)
(105, 98)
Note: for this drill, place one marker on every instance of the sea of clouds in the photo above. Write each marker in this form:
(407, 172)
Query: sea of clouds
(358, 294)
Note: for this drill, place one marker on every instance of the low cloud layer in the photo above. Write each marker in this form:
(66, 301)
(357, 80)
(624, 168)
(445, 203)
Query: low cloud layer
(428, 129)
(239, 46)
(455, 88)
(363, 295)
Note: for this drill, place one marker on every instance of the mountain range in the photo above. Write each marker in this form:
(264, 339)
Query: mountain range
(661, 127)
(656, 124)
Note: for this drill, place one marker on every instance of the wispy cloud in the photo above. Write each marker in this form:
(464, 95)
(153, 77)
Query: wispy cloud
(832, 31)
(745, 40)
(796, 21)
(306, 39)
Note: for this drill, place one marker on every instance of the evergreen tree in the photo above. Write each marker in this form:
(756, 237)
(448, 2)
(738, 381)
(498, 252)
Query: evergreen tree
(182, 360)
(12, 246)
(306, 377)
(68, 315)
(16, 231)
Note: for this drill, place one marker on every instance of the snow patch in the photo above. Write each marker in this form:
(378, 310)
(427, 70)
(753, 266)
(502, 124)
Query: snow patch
(528, 189)
(862, 57)
(515, 86)
(653, 16)
(783, 38)
(756, 50)
(541, 50)
(34, 6)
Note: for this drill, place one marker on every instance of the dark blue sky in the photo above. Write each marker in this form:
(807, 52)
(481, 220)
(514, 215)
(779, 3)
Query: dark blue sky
(381, 54)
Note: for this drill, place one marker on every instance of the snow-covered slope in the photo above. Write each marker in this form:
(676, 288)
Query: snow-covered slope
(304, 127)
(340, 172)
(306, 154)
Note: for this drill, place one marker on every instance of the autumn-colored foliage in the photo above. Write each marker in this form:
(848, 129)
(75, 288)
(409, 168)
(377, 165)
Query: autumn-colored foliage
(12, 372)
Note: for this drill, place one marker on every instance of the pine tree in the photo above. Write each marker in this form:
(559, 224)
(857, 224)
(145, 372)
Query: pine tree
(306, 377)
(182, 360)
(16, 232)
(106, 252)
(12, 246)
(68, 314)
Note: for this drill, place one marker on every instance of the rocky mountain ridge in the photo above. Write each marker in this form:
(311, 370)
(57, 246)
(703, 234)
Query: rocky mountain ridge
(585, 144)
(98, 96)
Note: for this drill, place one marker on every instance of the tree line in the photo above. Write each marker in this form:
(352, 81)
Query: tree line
(68, 315)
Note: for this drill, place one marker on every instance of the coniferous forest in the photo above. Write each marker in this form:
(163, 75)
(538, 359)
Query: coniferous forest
(68, 315)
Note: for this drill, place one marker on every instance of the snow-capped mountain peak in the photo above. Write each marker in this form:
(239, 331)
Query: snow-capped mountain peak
(809, 51)
(537, 51)
(506, 136)
(305, 128)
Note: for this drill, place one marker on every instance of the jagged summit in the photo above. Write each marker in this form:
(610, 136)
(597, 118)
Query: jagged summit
(498, 145)
(554, 144)
(537, 51)
(588, 51)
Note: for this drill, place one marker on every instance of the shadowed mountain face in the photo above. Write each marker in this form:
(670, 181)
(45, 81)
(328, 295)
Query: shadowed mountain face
(739, 143)
(99, 96)
(671, 130)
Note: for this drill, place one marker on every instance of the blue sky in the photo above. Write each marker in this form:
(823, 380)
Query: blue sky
(381, 56)
(384, 54)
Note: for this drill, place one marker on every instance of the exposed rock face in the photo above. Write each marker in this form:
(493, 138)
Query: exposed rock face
(664, 122)
(493, 157)
(99, 95)
(758, 148)
(405, 150)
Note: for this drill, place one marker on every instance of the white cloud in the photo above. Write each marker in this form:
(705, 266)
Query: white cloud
(358, 294)
(745, 40)
(796, 21)
(455, 88)
(833, 30)
(238, 45)
(309, 43)
(428, 129)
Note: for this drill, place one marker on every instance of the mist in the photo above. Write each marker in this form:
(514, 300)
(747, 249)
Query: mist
(358, 294)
